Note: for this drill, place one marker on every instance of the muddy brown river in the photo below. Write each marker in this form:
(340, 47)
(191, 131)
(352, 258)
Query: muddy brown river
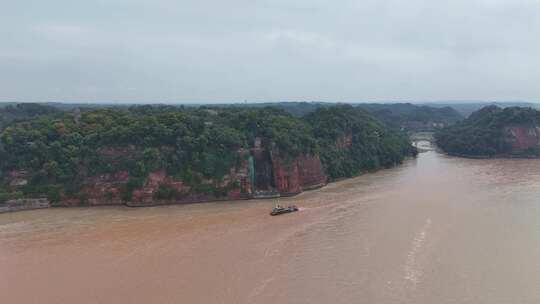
(437, 229)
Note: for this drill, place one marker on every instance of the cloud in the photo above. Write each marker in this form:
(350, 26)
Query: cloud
(219, 51)
(62, 30)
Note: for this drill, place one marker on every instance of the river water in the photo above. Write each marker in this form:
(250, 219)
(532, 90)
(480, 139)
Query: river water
(437, 229)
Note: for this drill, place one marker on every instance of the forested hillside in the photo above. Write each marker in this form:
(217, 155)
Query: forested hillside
(22, 111)
(493, 131)
(192, 154)
(369, 144)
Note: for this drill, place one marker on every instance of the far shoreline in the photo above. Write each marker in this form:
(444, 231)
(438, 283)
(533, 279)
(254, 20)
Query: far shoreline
(438, 149)
(496, 156)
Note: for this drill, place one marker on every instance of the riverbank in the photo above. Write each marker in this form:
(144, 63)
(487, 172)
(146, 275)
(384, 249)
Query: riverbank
(428, 137)
(497, 156)
(24, 204)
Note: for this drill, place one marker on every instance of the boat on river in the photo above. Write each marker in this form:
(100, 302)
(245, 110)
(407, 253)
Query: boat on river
(282, 210)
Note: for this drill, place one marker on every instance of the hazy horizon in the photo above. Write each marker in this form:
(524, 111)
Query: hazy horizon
(165, 51)
(441, 102)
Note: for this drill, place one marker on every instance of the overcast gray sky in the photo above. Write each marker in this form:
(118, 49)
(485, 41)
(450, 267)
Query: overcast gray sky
(255, 50)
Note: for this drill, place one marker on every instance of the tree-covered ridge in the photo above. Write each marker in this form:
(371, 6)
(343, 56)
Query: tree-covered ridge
(22, 111)
(370, 144)
(59, 152)
(406, 116)
(483, 133)
(412, 117)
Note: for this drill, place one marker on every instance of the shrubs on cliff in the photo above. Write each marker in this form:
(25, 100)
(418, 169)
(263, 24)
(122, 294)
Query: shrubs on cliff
(5, 196)
(483, 132)
(199, 146)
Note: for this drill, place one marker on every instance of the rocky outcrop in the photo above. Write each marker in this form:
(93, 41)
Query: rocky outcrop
(235, 185)
(276, 174)
(103, 189)
(263, 170)
(145, 194)
(18, 178)
(106, 189)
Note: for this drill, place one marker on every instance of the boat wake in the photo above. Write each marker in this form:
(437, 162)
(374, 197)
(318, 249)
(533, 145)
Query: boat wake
(413, 269)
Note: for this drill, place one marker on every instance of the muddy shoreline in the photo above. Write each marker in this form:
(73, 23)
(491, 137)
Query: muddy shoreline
(497, 156)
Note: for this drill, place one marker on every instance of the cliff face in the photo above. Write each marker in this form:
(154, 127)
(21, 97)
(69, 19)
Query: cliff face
(303, 173)
(523, 137)
(271, 174)
(103, 189)
(233, 186)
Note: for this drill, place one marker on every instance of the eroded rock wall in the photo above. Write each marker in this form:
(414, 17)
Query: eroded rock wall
(272, 174)
(294, 176)
(522, 137)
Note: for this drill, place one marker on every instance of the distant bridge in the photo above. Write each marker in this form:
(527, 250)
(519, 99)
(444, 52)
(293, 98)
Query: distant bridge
(425, 136)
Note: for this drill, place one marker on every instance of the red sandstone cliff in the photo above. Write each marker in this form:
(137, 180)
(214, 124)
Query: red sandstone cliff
(522, 137)
(303, 173)
(286, 177)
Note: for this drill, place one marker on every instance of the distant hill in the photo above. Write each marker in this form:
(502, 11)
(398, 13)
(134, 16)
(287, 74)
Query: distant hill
(10, 113)
(466, 108)
(400, 116)
(494, 131)
(295, 108)
(403, 116)
(5, 104)
(412, 117)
